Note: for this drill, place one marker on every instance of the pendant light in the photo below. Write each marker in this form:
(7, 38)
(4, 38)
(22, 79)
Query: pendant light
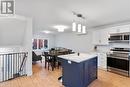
(74, 26)
(83, 29)
(80, 26)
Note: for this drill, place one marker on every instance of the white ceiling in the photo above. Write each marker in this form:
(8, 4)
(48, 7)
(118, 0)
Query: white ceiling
(47, 13)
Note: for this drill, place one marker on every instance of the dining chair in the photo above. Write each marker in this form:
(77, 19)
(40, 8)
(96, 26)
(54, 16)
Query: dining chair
(36, 57)
(49, 60)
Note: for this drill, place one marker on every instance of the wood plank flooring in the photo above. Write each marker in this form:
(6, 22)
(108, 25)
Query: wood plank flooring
(43, 78)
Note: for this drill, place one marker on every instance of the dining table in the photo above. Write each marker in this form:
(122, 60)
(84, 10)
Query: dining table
(53, 55)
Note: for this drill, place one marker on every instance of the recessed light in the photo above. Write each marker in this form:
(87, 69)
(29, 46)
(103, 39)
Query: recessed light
(46, 31)
(60, 28)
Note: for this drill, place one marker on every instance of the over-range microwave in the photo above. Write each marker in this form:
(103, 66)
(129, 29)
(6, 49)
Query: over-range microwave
(120, 37)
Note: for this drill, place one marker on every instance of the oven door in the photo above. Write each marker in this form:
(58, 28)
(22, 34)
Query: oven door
(118, 63)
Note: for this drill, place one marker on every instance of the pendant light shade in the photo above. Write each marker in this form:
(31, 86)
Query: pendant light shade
(73, 26)
(79, 28)
(83, 29)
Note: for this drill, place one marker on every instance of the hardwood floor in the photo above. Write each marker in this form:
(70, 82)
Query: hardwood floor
(43, 78)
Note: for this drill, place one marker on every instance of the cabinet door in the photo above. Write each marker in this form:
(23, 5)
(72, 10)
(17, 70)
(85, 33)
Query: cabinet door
(96, 37)
(100, 37)
(102, 60)
(104, 35)
(99, 60)
(86, 74)
(125, 28)
(92, 69)
(72, 74)
(119, 29)
(113, 30)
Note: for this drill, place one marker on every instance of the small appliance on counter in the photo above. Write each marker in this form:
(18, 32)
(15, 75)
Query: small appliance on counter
(118, 61)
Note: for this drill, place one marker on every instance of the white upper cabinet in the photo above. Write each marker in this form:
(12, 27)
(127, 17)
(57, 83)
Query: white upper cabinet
(104, 36)
(96, 37)
(125, 28)
(113, 30)
(100, 37)
(119, 29)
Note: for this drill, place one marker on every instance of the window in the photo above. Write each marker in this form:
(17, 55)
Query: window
(40, 44)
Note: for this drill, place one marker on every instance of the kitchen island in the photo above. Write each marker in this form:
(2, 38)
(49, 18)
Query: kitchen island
(78, 70)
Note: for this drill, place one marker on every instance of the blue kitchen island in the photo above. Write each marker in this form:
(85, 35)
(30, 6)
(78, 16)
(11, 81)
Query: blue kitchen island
(78, 70)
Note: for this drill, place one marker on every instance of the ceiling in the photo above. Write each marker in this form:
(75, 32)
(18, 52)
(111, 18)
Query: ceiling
(46, 13)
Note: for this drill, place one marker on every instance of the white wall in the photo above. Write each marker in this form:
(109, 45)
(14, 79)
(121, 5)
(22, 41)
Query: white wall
(28, 45)
(75, 42)
(11, 31)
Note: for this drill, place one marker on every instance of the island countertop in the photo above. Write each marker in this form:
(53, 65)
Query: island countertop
(75, 58)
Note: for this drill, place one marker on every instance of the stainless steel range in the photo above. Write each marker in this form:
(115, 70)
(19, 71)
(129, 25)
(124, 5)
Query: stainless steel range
(118, 60)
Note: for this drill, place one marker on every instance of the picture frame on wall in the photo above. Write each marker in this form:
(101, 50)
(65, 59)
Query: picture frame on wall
(34, 44)
(40, 44)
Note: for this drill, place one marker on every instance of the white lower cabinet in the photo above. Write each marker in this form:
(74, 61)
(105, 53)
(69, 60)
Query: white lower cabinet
(102, 60)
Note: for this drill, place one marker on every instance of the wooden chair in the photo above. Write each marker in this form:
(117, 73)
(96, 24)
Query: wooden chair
(49, 60)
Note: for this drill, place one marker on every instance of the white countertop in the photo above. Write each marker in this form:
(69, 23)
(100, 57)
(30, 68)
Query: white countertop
(75, 58)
